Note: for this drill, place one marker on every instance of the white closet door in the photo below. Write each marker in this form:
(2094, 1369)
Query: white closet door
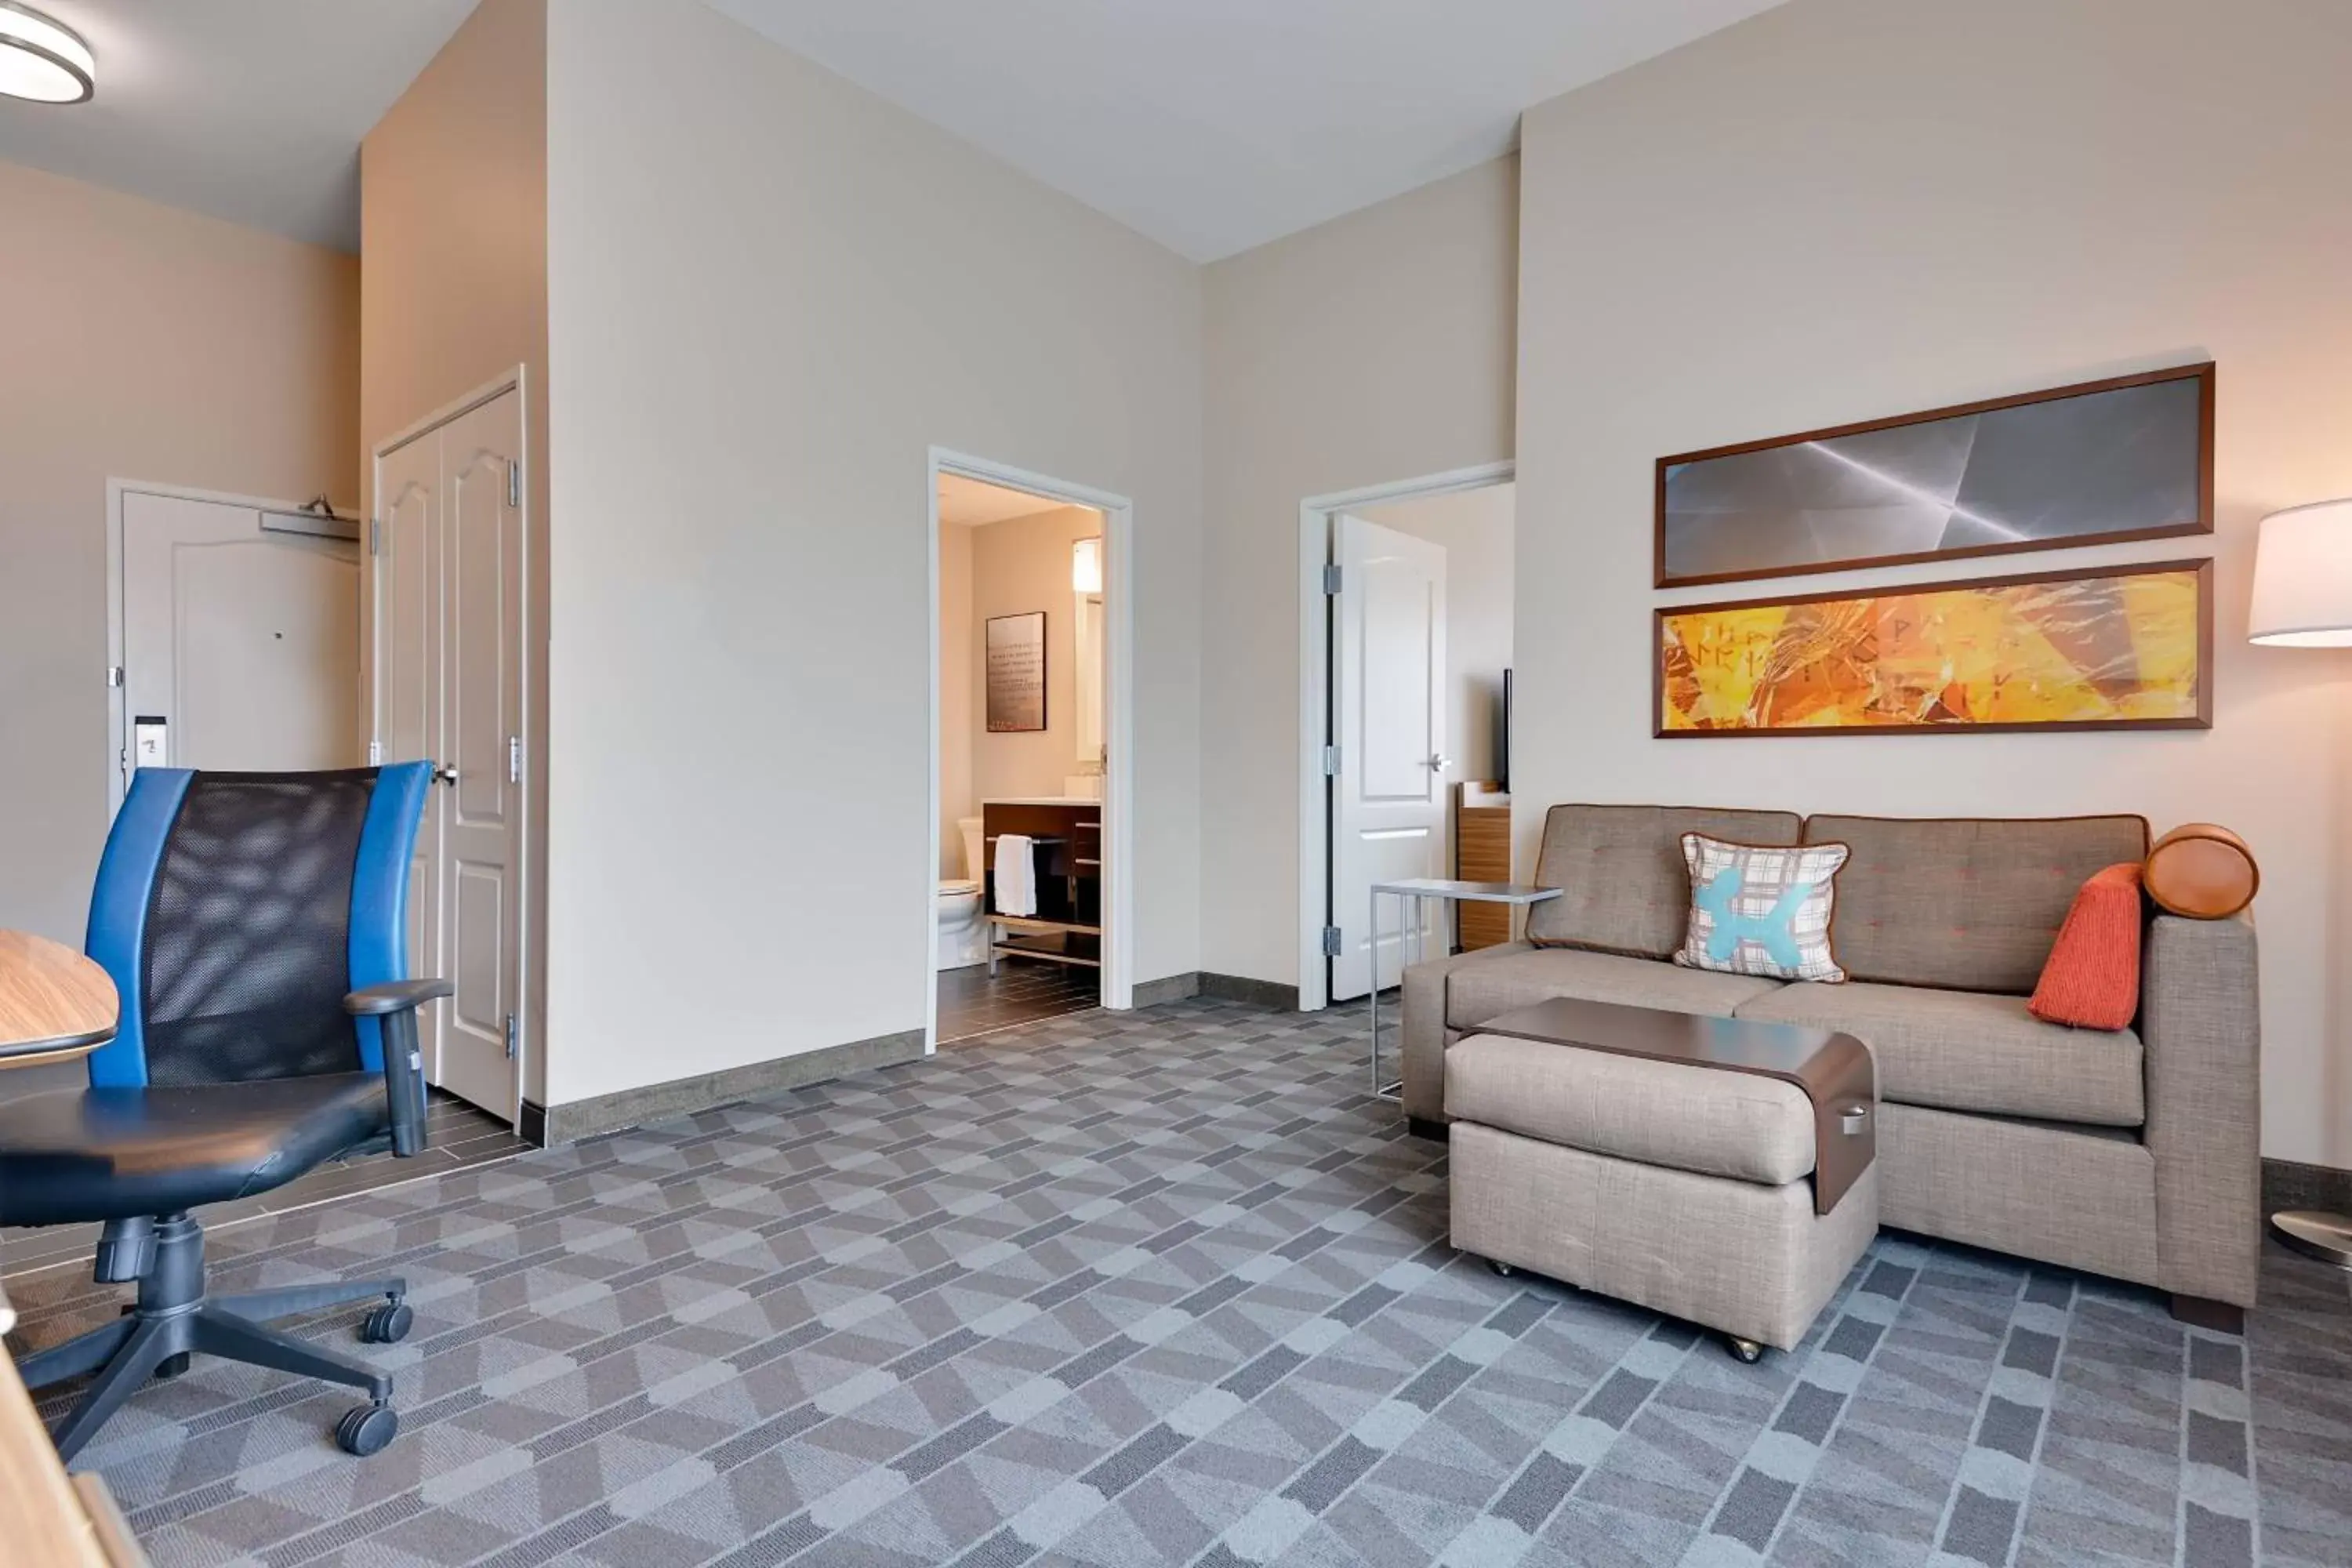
(407, 565)
(240, 644)
(1388, 799)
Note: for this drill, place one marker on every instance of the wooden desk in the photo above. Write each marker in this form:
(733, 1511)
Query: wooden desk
(55, 1005)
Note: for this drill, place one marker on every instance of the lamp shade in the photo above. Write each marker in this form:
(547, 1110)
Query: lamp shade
(2303, 577)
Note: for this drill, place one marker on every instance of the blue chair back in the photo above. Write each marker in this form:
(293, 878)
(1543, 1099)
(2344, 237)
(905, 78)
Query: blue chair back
(235, 911)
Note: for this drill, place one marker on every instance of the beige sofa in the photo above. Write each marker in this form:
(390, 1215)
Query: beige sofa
(2133, 1154)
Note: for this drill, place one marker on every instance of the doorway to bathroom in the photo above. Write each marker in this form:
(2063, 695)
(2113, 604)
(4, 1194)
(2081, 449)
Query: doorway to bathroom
(1026, 918)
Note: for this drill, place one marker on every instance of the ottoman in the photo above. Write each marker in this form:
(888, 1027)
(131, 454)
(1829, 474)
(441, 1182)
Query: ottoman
(1712, 1169)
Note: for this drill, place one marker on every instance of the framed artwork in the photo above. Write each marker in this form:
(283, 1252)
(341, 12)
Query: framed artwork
(2129, 458)
(2110, 647)
(1016, 673)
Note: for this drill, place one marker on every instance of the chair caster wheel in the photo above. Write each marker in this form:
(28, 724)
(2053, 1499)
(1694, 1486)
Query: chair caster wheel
(387, 1324)
(1747, 1351)
(1502, 1271)
(172, 1365)
(366, 1428)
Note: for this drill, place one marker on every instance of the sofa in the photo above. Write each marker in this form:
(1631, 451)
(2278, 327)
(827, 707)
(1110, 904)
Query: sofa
(2132, 1153)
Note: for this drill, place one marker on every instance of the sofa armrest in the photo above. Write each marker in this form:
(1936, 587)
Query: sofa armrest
(1423, 1051)
(2201, 1025)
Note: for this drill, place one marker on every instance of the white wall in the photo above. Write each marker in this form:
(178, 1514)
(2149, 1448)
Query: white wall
(142, 342)
(740, 705)
(1849, 209)
(453, 294)
(1375, 347)
(1019, 565)
(1475, 528)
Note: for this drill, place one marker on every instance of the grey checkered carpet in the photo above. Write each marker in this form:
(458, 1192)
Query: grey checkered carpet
(1165, 1287)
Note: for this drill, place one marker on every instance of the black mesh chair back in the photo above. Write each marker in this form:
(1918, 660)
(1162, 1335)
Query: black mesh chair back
(246, 957)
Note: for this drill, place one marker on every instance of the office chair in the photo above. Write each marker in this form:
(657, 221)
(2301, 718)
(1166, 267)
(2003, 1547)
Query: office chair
(256, 927)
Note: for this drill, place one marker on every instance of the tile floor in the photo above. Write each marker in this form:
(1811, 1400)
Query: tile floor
(973, 1003)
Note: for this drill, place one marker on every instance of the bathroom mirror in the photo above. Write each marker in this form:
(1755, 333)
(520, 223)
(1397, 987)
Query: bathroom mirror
(1087, 586)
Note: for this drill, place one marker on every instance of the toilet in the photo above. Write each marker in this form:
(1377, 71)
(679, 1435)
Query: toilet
(963, 935)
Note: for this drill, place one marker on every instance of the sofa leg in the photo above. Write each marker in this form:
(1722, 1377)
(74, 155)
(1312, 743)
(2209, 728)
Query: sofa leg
(2203, 1312)
(1433, 1131)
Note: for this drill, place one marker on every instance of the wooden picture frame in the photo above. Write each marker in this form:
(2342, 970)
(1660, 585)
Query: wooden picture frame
(1013, 658)
(1684, 546)
(1665, 644)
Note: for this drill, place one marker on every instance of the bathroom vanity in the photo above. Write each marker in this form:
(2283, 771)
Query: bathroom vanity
(1067, 926)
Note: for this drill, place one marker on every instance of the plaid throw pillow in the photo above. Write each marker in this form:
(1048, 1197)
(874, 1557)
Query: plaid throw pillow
(1760, 911)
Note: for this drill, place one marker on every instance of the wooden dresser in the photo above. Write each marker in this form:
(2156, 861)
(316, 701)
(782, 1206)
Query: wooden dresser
(1482, 853)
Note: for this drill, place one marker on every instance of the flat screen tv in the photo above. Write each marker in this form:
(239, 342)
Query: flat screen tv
(1502, 738)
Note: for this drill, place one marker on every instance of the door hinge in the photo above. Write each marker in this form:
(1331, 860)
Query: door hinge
(114, 674)
(1330, 941)
(1331, 761)
(375, 753)
(514, 759)
(375, 537)
(514, 483)
(514, 1036)
(1330, 577)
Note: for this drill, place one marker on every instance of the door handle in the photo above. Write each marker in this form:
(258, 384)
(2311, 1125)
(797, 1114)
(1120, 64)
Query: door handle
(445, 775)
(1439, 762)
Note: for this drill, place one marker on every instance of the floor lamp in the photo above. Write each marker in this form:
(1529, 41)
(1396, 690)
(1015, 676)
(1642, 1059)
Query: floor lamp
(2303, 598)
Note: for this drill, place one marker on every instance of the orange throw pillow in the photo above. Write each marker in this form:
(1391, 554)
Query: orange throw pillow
(2091, 978)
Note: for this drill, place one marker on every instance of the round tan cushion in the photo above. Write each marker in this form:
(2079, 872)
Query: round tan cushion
(2201, 870)
(1696, 1119)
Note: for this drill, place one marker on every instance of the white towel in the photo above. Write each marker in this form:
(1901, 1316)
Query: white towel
(1016, 875)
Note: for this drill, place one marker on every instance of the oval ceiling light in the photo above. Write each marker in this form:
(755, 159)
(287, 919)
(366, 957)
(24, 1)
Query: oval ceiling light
(42, 61)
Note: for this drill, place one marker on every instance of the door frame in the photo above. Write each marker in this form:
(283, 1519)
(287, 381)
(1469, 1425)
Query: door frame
(1118, 730)
(116, 488)
(1316, 530)
(529, 1019)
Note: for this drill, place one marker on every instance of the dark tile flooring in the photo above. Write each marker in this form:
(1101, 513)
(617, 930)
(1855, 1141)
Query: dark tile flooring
(974, 1003)
(460, 1136)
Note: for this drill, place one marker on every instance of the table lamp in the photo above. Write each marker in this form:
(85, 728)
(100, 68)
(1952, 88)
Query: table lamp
(2303, 598)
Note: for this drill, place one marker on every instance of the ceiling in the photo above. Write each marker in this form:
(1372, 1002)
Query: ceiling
(250, 111)
(1215, 125)
(970, 503)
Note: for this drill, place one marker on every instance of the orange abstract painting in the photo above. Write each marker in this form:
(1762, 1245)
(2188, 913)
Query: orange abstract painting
(2111, 647)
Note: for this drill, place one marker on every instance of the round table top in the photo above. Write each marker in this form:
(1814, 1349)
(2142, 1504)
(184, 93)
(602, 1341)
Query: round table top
(55, 1004)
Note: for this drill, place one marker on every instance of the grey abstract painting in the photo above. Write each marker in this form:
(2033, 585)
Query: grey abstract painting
(2129, 459)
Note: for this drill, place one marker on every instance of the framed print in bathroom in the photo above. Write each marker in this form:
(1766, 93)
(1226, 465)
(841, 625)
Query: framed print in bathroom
(2108, 647)
(1016, 673)
(2128, 457)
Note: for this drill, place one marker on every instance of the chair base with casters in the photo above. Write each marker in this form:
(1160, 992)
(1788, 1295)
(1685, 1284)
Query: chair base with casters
(173, 1316)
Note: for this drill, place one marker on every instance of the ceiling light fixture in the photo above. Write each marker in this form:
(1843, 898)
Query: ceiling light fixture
(42, 61)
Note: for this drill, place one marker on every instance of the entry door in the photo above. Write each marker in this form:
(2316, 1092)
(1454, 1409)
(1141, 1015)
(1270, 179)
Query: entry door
(240, 641)
(1388, 719)
(449, 689)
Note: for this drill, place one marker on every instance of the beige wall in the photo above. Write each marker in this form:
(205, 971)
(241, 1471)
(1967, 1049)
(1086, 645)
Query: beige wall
(453, 295)
(142, 342)
(742, 723)
(960, 712)
(1846, 208)
(1019, 565)
(1376, 347)
(1475, 529)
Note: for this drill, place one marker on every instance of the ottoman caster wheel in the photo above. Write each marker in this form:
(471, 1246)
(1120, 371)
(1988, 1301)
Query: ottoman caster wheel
(365, 1429)
(387, 1324)
(1502, 1271)
(1747, 1351)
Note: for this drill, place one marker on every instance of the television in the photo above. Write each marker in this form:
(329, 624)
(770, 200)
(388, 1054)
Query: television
(1502, 738)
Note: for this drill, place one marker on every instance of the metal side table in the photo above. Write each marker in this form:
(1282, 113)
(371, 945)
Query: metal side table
(1419, 889)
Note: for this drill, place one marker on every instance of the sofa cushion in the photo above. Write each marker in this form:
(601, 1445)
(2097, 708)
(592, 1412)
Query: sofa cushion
(1735, 1124)
(1965, 1050)
(1477, 992)
(1970, 903)
(1619, 870)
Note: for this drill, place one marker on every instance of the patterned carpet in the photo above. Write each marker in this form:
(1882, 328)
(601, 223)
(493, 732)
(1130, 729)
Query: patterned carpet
(1165, 1287)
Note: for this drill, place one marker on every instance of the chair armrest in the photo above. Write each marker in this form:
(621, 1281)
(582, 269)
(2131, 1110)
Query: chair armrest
(2201, 1027)
(1422, 1044)
(394, 1005)
(395, 996)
